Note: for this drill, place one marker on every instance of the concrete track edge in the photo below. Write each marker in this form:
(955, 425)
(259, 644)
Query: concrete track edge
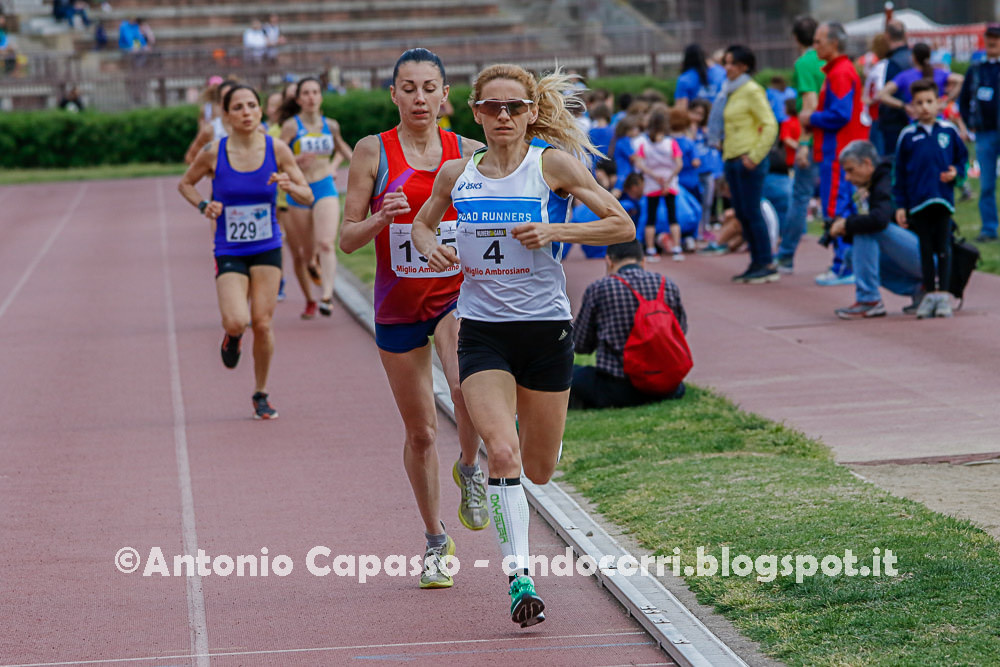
(672, 625)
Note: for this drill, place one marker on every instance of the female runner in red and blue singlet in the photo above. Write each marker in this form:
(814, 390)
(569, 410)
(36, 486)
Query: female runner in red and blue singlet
(391, 176)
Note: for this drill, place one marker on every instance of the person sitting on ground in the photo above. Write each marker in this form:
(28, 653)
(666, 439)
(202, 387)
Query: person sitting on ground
(70, 101)
(604, 323)
(884, 253)
(729, 236)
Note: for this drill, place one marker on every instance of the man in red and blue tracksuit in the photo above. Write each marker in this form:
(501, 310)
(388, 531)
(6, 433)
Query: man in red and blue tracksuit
(836, 123)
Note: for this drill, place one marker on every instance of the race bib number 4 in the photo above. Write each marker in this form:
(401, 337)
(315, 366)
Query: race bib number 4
(318, 144)
(490, 252)
(407, 262)
(245, 224)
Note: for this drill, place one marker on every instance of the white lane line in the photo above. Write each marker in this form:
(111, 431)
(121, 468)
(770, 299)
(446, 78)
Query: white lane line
(70, 210)
(362, 647)
(195, 598)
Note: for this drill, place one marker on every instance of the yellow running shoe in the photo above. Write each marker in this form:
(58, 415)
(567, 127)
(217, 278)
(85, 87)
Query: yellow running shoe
(472, 510)
(436, 573)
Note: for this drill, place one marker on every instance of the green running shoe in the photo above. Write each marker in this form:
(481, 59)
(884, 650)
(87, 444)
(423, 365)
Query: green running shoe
(472, 510)
(435, 574)
(525, 606)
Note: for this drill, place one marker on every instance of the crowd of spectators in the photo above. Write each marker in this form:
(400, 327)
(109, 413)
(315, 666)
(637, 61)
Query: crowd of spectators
(727, 144)
(880, 157)
(8, 50)
(731, 164)
(262, 39)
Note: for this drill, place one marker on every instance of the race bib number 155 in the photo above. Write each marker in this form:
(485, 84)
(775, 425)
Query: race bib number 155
(407, 262)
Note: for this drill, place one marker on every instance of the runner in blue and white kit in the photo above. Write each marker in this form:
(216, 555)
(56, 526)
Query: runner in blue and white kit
(515, 349)
(246, 168)
(312, 230)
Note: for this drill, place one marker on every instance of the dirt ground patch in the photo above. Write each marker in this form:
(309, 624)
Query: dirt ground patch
(966, 491)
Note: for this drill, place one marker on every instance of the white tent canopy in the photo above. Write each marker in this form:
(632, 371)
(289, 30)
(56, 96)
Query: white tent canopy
(875, 23)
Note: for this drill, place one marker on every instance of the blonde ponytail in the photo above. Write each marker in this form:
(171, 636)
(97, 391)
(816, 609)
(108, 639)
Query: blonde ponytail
(554, 96)
(557, 96)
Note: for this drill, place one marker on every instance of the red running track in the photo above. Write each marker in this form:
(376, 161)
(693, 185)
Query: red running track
(122, 428)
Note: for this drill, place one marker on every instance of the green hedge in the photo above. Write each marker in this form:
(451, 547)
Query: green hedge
(60, 139)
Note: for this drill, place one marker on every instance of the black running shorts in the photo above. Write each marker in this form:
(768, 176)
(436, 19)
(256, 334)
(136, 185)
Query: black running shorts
(538, 354)
(242, 263)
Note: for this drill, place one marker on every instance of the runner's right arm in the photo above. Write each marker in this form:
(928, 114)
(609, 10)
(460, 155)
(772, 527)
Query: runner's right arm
(203, 165)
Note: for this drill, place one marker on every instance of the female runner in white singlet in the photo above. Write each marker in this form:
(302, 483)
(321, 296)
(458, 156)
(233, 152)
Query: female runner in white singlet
(515, 346)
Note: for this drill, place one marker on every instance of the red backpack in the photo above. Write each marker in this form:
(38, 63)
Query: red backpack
(657, 357)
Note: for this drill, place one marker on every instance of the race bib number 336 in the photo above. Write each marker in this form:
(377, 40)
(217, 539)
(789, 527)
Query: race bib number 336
(490, 252)
(407, 262)
(320, 145)
(248, 223)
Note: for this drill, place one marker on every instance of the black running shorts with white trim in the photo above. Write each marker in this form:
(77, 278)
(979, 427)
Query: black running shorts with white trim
(538, 354)
(242, 263)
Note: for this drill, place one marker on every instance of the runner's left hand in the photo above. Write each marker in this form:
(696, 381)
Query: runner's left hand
(281, 178)
(533, 235)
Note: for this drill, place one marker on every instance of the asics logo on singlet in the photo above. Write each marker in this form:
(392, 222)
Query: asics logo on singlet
(498, 518)
(469, 186)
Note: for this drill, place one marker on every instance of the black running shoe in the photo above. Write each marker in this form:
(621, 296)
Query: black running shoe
(231, 350)
(326, 307)
(261, 408)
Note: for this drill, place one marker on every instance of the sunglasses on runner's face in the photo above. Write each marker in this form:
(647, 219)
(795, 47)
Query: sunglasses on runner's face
(493, 107)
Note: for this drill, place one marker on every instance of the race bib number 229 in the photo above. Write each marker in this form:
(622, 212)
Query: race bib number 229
(245, 224)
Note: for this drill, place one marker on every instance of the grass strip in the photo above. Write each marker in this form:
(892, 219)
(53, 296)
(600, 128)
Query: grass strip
(701, 473)
(104, 172)
(361, 263)
(969, 224)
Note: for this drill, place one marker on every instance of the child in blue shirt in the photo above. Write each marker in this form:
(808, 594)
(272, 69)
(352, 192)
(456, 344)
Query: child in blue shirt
(601, 133)
(631, 198)
(680, 127)
(623, 149)
(930, 156)
(710, 163)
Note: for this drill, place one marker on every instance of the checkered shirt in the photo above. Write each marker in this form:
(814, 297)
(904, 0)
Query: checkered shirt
(608, 310)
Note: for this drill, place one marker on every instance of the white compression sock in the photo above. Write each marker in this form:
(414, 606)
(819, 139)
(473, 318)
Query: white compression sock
(509, 507)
